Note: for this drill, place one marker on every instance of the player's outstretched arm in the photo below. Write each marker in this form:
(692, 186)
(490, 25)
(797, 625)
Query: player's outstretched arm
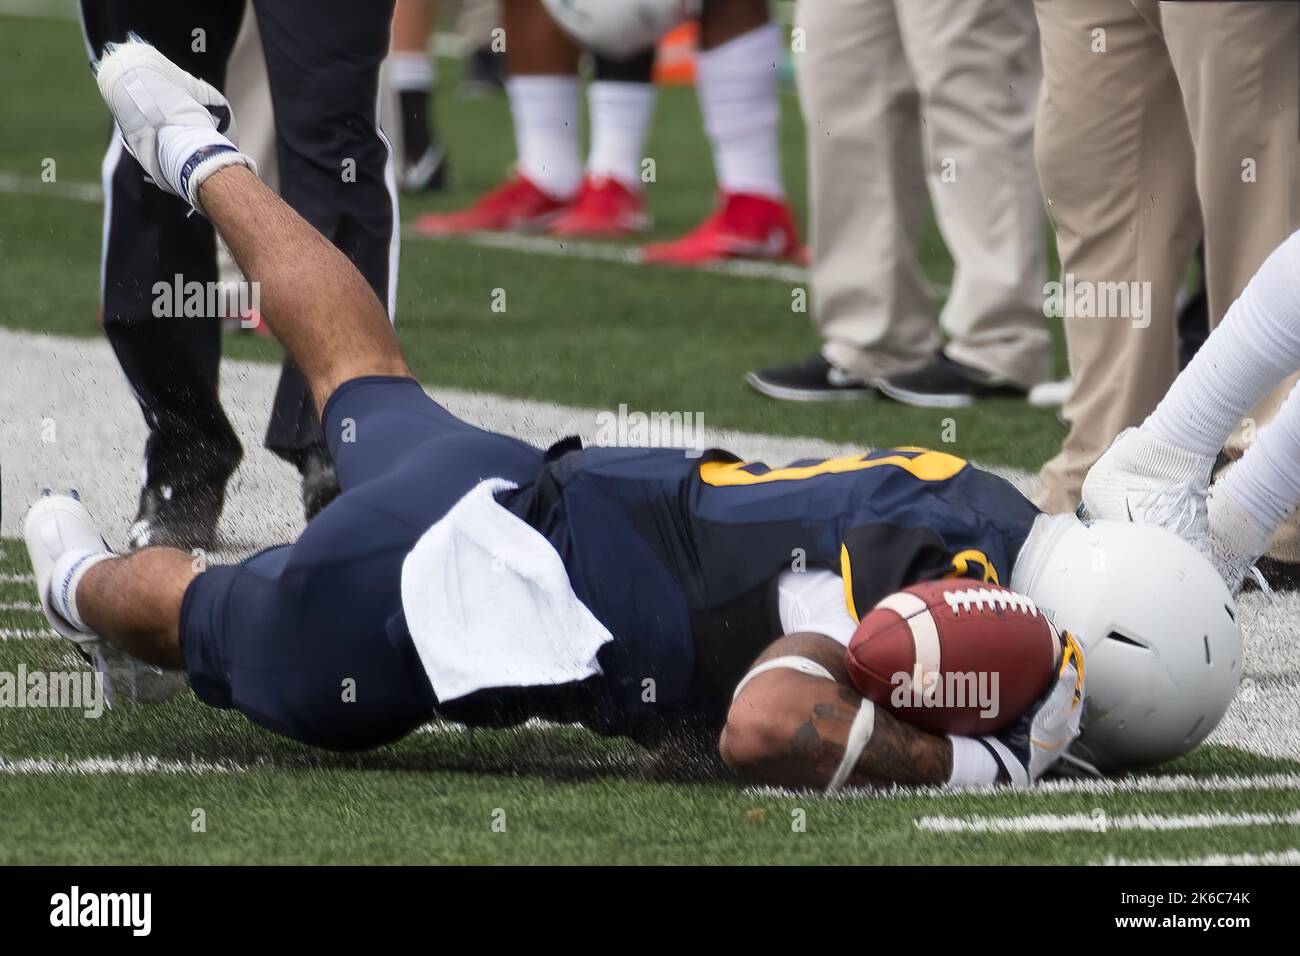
(315, 301)
(792, 728)
(317, 304)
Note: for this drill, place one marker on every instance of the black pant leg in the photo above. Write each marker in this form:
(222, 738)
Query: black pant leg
(171, 362)
(638, 68)
(323, 59)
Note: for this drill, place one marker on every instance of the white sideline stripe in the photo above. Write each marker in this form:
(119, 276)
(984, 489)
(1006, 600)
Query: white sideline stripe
(1268, 858)
(20, 606)
(1073, 822)
(30, 186)
(1117, 786)
(25, 634)
(12, 578)
(610, 252)
(135, 765)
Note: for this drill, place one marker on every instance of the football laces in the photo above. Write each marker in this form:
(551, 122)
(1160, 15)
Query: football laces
(976, 600)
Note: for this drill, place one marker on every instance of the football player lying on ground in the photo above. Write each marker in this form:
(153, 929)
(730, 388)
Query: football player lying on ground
(471, 576)
(1161, 471)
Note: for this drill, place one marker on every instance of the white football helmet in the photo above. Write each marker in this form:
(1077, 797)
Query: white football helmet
(620, 28)
(1158, 626)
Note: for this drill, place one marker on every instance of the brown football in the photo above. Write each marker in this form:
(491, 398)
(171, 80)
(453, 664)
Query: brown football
(954, 656)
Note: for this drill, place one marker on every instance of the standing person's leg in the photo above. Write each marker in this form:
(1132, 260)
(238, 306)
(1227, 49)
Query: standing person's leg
(336, 169)
(621, 103)
(412, 76)
(737, 77)
(545, 106)
(1239, 71)
(171, 361)
(1111, 136)
(978, 69)
(866, 187)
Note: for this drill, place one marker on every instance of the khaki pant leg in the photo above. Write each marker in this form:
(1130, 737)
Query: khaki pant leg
(977, 66)
(1116, 164)
(866, 187)
(1239, 69)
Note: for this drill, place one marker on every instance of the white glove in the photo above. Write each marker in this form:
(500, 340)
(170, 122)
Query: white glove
(178, 127)
(1030, 747)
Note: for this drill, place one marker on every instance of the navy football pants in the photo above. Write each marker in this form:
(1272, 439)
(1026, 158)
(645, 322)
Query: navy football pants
(309, 639)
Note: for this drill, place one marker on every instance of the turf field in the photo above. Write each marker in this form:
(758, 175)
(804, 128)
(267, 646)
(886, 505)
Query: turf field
(582, 330)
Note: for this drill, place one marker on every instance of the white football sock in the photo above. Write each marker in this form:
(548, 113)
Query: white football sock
(546, 114)
(1255, 347)
(972, 763)
(737, 86)
(67, 573)
(620, 121)
(410, 72)
(1266, 482)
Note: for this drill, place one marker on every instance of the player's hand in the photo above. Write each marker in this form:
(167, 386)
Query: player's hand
(1030, 746)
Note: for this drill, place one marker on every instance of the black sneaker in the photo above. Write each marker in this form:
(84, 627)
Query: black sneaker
(177, 516)
(428, 173)
(946, 384)
(320, 484)
(812, 380)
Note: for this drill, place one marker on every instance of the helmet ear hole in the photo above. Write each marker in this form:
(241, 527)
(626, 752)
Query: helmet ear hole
(1125, 639)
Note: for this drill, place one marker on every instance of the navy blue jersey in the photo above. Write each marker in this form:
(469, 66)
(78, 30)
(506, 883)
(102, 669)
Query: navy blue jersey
(679, 556)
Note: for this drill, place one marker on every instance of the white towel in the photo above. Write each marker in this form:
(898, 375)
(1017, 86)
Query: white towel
(488, 603)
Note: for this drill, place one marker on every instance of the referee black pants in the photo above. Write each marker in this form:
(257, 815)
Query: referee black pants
(323, 59)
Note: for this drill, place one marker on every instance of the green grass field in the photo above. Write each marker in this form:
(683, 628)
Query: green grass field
(124, 788)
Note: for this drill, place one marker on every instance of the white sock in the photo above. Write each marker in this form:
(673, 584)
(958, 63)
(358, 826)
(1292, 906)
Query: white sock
(545, 111)
(1266, 482)
(972, 764)
(67, 573)
(410, 72)
(737, 86)
(620, 121)
(1255, 347)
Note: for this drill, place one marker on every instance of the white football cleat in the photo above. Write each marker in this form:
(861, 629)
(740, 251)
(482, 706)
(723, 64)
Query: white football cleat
(54, 526)
(178, 127)
(1142, 478)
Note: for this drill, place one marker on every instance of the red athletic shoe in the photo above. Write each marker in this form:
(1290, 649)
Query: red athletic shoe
(742, 227)
(605, 208)
(515, 205)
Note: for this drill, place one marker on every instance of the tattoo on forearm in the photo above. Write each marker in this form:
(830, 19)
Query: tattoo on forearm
(896, 753)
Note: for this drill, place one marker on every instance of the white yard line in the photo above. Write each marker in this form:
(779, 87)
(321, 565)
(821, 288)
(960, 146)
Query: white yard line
(1268, 858)
(30, 606)
(1106, 787)
(134, 765)
(10, 578)
(1103, 822)
(26, 634)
